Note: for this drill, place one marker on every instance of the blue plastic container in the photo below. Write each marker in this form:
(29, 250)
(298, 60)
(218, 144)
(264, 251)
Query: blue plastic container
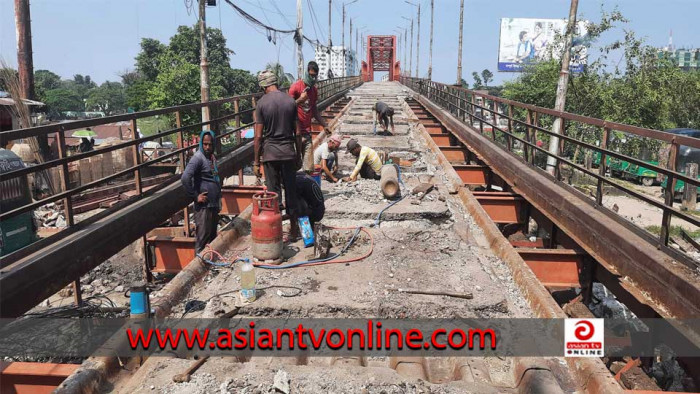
(307, 233)
(138, 301)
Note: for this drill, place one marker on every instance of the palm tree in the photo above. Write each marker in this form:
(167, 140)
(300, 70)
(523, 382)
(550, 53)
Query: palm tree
(284, 79)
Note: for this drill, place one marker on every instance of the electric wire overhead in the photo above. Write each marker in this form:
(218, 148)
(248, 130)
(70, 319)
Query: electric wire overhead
(251, 19)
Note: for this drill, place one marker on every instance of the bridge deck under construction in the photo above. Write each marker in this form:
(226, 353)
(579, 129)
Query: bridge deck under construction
(522, 244)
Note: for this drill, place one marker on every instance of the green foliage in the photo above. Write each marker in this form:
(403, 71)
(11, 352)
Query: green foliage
(642, 91)
(45, 80)
(177, 82)
(137, 94)
(168, 75)
(108, 98)
(478, 83)
(62, 99)
(487, 76)
(148, 60)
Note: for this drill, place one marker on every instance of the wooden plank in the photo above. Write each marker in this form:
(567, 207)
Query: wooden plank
(85, 172)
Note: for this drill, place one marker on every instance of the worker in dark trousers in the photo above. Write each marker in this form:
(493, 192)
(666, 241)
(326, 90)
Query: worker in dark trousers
(310, 198)
(383, 114)
(202, 183)
(277, 141)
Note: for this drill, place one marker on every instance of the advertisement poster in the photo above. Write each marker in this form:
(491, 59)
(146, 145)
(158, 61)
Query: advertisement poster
(527, 41)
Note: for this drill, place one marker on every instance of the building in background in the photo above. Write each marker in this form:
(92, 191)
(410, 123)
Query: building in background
(343, 63)
(686, 59)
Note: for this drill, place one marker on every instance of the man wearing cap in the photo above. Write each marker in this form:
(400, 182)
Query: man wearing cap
(277, 142)
(202, 183)
(325, 157)
(383, 113)
(305, 94)
(368, 164)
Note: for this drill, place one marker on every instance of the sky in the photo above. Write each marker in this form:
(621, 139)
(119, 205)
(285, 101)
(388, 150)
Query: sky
(100, 38)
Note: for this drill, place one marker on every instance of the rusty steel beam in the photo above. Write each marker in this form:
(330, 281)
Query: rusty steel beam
(455, 154)
(30, 280)
(502, 207)
(441, 139)
(33, 378)
(554, 267)
(472, 174)
(666, 285)
(234, 199)
(435, 130)
(171, 254)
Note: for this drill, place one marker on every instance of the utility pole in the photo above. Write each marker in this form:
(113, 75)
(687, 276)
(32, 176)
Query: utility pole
(25, 62)
(418, 44)
(562, 86)
(405, 51)
(330, 42)
(344, 52)
(350, 42)
(418, 38)
(459, 50)
(430, 58)
(203, 64)
(300, 41)
(410, 57)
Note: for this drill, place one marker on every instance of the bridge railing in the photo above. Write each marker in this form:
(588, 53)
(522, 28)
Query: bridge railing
(516, 125)
(226, 122)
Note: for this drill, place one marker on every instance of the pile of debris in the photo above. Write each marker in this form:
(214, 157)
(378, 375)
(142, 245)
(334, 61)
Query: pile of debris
(49, 215)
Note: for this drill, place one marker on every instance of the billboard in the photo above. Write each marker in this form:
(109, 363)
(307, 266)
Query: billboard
(526, 41)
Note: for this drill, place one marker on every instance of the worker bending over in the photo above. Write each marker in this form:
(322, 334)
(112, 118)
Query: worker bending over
(310, 198)
(383, 114)
(325, 156)
(368, 164)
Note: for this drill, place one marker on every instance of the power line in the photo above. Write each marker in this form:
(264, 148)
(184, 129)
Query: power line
(313, 25)
(314, 19)
(254, 21)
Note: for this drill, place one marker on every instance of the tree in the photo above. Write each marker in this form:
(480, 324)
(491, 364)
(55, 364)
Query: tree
(62, 99)
(147, 61)
(177, 83)
(108, 98)
(283, 79)
(477, 80)
(45, 80)
(487, 76)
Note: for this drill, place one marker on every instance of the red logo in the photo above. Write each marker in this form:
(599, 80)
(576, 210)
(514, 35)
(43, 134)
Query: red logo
(584, 330)
(584, 338)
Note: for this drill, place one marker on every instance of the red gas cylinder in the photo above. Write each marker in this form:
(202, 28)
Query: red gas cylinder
(266, 228)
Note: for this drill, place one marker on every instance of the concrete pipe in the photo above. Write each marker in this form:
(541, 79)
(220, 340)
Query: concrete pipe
(390, 181)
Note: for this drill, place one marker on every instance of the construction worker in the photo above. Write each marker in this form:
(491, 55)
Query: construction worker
(383, 113)
(202, 183)
(368, 164)
(305, 94)
(277, 141)
(326, 158)
(310, 198)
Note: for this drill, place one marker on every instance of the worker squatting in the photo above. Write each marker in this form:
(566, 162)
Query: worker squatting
(282, 147)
